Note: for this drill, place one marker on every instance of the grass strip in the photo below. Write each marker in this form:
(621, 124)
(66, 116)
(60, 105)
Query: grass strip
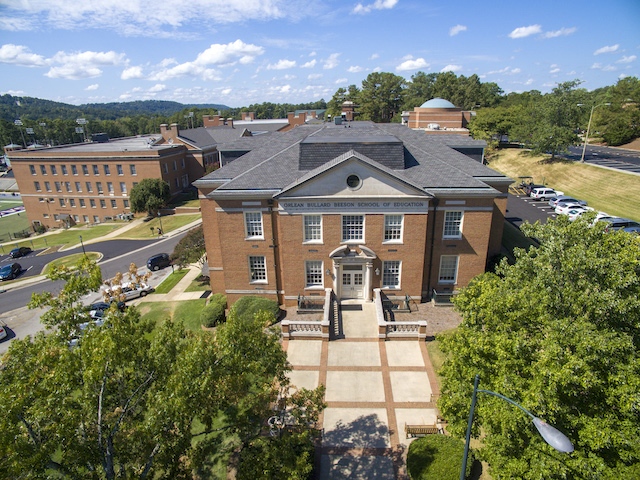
(149, 229)
(171, 281)
(70, 260)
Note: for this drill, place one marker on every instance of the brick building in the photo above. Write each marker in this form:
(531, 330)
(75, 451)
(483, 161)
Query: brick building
(351, 209)
(439, 116)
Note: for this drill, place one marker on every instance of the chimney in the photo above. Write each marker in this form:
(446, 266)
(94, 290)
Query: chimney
(243, 115)
(169, 131)
(230, 122)
(211, 120)
(290, 117)
(295, 121)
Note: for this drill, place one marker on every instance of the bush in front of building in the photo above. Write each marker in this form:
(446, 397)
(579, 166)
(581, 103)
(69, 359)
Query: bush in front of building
(213, 314)
(437, 456)
(247, 307)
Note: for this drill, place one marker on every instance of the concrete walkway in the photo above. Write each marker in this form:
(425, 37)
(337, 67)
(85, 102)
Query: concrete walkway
(372, 389)
(178, 293)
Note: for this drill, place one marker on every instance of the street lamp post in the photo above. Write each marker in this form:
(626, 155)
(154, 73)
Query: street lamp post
(551, 435)
(586, 138)
(85, 253)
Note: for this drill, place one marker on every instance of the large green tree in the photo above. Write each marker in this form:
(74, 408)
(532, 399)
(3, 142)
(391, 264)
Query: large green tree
(558, 332)
(381, 96)
(549, 126)
(191, 248)
(149, 196)
(129, 403)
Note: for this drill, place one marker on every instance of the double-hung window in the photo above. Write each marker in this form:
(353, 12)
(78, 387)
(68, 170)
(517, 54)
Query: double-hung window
(110, 187)
(123, 187)
(448, 269)
(313, 273)
(37, 185)
(74, 170)
(62, 204)
(353, 228)
(96, 170)
(257, 269)
(313, 228)
(78, 187)
(393, 228)
(32, 169)
(391, 274)
(133, 169)
(58, 187)
(89, 189)
(43, 169)
(85, 170)
(47, 185)
(253, 225)
(64, 169)
(54, 171)
(67, 186)
(119, 169)
(99, 187)
(452, 224)
(107, 170)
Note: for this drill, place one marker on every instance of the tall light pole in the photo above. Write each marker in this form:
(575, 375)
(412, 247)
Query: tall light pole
(85, 253)
(551, 435)
(586, 138)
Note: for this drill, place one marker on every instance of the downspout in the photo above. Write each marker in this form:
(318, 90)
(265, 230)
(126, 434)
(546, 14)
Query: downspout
(274, 246)
(433, 237)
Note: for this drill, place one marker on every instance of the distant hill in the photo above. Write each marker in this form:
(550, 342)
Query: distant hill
(30, 108)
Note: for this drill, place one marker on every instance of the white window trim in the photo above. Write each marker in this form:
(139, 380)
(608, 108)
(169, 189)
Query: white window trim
(455, 279)
(319, 286)
(401, 239)
(266, 273)
(352, 242)
(246, 227)
(444, 224)
(317, 241)
(393, 287)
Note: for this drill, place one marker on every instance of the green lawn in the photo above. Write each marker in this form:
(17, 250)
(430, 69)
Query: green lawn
(70, 260)
(68, 237)
(184, 200)
(186, 310)
(200, 284)
(606, 190)
(13, 223)
(169, 223)
(171, 281)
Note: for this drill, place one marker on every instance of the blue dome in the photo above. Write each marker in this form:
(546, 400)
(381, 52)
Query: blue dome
(437, 103)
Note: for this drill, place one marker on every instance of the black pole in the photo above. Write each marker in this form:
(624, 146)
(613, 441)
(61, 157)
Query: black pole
(471, 411)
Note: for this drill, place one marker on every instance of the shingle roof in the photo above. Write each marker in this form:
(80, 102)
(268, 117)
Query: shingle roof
(428, 162)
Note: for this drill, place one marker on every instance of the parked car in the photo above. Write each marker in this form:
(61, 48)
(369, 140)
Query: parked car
(562, 208)
(96, 321)
(531, 187)
(11, 271)
(544, 193)
(619, 224)
(156, 262)
(105, 306)
(129, 291)
(3, 332)
(20, 252)
(635, 230)
(563, 198)
(575, 213)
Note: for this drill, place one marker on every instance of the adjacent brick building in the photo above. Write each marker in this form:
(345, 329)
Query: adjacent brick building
(351, 209)
(439, 116)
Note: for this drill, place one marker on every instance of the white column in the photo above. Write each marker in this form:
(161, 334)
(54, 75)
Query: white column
(368, 281)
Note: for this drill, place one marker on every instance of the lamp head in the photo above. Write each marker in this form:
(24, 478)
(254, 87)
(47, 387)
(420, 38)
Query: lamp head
(553, 436)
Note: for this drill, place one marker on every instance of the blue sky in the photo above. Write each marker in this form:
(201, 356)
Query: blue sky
(238, 52)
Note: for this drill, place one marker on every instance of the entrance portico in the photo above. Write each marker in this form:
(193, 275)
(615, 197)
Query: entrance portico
(353, 272)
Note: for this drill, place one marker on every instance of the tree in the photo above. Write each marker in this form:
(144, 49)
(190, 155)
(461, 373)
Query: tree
(493, 123)
(125, 403)
(549, 126)
(149, 195)
(190, 249)
(558, 332)
(381, 96)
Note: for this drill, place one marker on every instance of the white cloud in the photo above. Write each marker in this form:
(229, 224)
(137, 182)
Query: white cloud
(228, 53)
(309, 64)
(312, 54)
(74, 72)
(282, 65)
(515, 70)
(314, 76)
(554, 70)
(20, 55)
(168, 61)
(110, 58)
(374, 56)
(562, 32)
(92, 87)
(626, 59)
(456, 30)
(158, 87)
(354, 69)
(609, 68)
(596, 66)
(15, 24)
(609, 49)
(377, 69)
(226, 91)
(411, 64)
(529, 82)
(451, 68)
(507, 70)
(331, 62)
(187, 69)
(341, 80)
(522, 32)
(377, 5)
(131, 72)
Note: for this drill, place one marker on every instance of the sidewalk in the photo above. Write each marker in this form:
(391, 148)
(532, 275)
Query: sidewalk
(178, 293)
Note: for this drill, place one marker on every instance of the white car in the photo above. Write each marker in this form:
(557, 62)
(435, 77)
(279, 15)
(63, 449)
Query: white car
(574, 213)
(562, 209)
(97, 322)
(128, 290)
(553, 203)
(544, 193)
(3, 332)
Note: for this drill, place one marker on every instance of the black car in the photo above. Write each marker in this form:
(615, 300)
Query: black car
(20, 252)
(159, 261)
(11, 271)
(105, 306)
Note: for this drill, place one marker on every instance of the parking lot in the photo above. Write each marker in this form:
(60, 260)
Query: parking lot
(520, 207)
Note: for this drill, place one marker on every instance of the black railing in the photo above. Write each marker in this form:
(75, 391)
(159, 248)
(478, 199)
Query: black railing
(397, 304)
(442, 298)
(310, 304)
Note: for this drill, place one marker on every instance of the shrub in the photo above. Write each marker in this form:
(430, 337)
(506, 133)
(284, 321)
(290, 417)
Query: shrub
(437, 456)
(212, 315)
(246, 307)
(289, 456)
(220, 298)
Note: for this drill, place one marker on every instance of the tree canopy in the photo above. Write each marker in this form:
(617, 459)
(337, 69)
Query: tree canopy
(149, 196)
(134, 399)
(557, 332)
(191, 248)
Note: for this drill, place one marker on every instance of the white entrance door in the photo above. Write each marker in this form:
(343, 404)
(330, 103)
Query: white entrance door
(352, 281)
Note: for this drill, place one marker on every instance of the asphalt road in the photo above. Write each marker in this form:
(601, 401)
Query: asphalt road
(616, 158)
(522, 208)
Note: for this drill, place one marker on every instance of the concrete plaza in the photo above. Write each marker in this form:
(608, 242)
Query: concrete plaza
(372, 389)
